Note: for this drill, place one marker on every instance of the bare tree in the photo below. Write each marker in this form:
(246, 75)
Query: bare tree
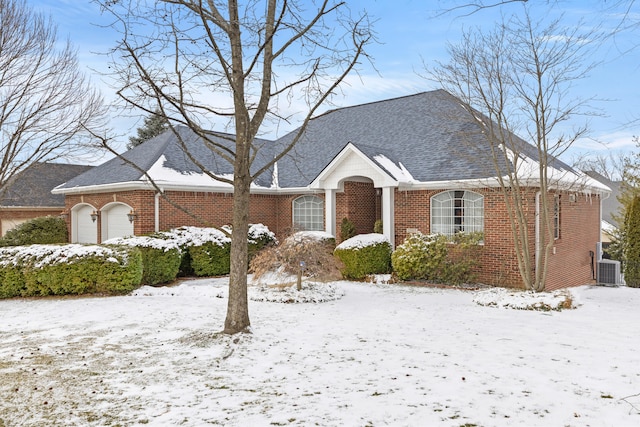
(46, 104)
(199, 61)
(516, 79)
(610, 166)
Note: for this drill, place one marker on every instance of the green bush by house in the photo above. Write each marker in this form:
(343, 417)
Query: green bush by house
(437, 258)
(207, 251)
(420, 256)
(38, 270)
(43, 230)
(363, 255)
(161, 258)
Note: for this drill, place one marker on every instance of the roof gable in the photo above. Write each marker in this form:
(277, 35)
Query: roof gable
(352, 162)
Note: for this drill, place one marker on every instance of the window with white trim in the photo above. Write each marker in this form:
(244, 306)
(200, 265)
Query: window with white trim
(308, 213)
(456, 211)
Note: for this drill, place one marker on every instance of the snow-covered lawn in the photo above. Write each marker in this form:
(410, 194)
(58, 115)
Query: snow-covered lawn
(381, 355)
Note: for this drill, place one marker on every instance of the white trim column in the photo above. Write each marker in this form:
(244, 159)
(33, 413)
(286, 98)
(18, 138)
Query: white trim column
(388, 215)
(330, 211)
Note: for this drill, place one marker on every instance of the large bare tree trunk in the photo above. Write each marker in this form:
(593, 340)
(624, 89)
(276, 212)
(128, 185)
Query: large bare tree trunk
(251, 53)
(237, 319)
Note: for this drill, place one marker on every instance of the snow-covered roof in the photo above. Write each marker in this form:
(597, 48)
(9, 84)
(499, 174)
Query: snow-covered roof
(427, 138)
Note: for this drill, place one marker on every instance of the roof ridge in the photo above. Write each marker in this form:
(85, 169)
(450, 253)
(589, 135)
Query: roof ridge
(379, 101)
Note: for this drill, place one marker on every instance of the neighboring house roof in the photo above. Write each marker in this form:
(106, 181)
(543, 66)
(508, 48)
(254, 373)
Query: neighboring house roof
(32, 187)
(422, 138)
(610, 205)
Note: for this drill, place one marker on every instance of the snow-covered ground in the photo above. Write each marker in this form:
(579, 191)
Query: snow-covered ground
(378, 355)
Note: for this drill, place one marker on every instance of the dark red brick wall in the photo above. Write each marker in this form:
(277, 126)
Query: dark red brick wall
(360, 204)
(569, 266)
(579, 233)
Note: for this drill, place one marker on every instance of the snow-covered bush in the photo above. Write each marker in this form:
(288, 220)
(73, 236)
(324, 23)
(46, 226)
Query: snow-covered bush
(420, 256)
(260, 237)
(206, 251)
(363, 255)
(43, 230)
(160, 257)
(314, 249)
(68, 269)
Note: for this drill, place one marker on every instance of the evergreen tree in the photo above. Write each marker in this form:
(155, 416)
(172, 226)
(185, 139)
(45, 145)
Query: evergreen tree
(632, 245)
(152, 126)
(629, 189)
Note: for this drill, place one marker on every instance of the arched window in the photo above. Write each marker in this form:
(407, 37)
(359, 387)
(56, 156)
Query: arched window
(457, 211)
(308, 213)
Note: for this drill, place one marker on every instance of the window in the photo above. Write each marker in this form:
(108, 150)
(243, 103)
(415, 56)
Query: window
(308, 213)
(457, 211)
(556, 216)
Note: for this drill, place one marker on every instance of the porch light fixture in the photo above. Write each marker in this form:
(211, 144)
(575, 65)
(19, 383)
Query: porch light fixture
(94, 216)
(64, 215)
(132, 216)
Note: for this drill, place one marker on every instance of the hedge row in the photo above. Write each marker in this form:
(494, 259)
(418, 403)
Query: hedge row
(436, 258)
(68, 269)
(119, 265)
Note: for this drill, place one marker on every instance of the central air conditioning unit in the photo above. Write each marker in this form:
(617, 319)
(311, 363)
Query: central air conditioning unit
(608, 272)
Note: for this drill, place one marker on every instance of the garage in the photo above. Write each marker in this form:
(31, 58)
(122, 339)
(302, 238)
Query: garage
(84, 229)
(115, 222)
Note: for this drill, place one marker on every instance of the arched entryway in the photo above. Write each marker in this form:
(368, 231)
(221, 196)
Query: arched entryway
(360, 203)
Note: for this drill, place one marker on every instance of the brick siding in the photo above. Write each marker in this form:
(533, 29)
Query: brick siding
(569, 266)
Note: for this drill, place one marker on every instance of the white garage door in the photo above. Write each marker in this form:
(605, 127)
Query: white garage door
(84, 229)
(115, 222)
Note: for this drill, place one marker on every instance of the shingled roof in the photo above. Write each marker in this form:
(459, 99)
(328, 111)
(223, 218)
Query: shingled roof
(32, 187)
(429, 134)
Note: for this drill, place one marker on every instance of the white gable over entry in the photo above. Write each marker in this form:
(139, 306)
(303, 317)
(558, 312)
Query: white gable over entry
(351, 162)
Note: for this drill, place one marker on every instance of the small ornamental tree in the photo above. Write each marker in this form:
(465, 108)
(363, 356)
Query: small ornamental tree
(347, 229)
(632, 246)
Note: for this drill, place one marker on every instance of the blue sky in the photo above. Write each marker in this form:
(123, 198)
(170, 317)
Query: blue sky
(410, 32)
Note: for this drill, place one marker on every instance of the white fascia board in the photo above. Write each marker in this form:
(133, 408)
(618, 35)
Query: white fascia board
(164, 186)
(104, 188)
(576, 186)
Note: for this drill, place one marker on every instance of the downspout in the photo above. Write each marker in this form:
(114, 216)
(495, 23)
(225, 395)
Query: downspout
(156, 212)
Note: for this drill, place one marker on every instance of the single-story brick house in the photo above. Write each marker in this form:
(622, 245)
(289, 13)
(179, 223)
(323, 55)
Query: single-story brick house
(28, 194)
(418, 163)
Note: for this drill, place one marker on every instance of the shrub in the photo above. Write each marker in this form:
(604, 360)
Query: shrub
(43, 230)
(347, 229)
(462, 259)
(161, 258)
(378, 226)
(420, 256)
(259, 237)
(208, 250)
(363, 255)
(68, 269)
(314, 248)
(12, 281)
(632, 244)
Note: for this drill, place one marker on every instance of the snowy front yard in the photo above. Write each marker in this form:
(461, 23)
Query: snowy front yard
(380, 355)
